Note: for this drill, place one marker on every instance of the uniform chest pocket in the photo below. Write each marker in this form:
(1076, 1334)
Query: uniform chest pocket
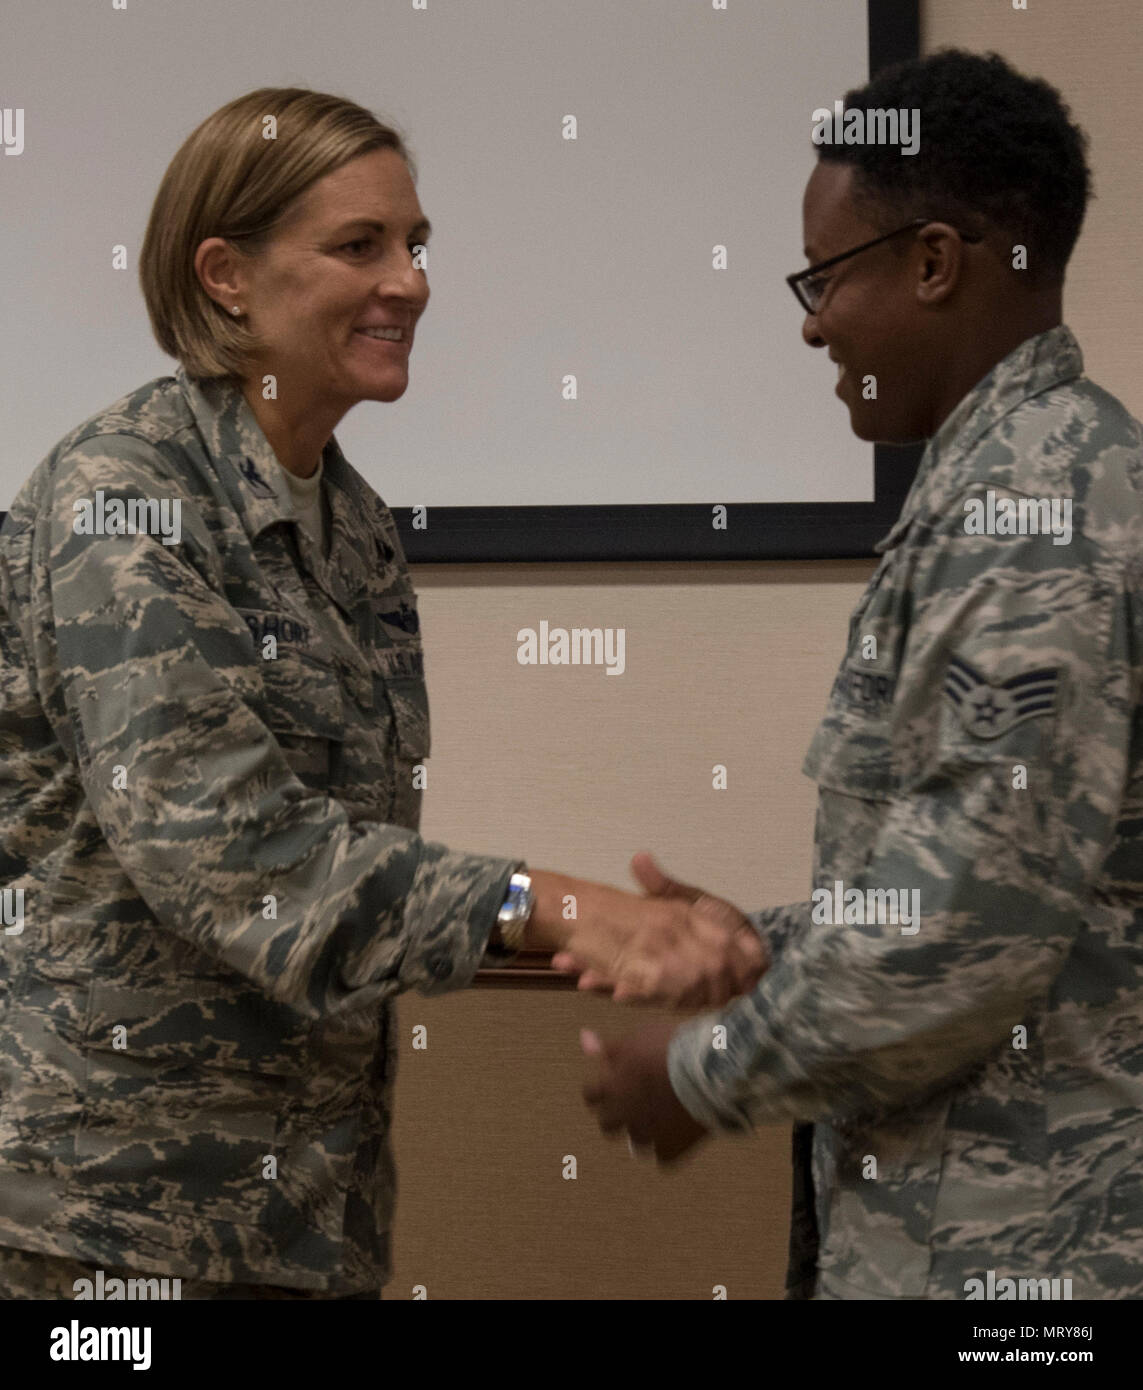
(304, 706)
(409, 702)
(397, 662)
(852, 750)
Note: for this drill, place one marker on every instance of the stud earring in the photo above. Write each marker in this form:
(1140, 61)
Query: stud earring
(236, 310)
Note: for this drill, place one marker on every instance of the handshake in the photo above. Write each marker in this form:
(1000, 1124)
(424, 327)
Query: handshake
(676, 946)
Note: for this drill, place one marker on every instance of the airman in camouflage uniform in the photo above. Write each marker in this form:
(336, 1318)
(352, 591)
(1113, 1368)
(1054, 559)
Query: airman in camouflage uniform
(974, 1082)
(966, 1074)
(212, 1100)
(211, 735)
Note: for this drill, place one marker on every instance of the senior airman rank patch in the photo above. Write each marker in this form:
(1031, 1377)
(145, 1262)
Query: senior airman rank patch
(988, 710)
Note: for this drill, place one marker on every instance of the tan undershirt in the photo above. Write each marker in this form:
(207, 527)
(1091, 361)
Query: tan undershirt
(306, 494)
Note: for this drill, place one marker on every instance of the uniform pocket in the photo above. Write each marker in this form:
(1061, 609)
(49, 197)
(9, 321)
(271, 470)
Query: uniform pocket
(184, 1089)
(851, 751)
(882, 1205)
(397, 661)
(409, 702)
(305, 713)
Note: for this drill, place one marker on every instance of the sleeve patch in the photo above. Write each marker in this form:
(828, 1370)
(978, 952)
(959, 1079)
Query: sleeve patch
(988, 710)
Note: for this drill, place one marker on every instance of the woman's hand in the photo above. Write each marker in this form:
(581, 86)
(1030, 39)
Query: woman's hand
(677, 946)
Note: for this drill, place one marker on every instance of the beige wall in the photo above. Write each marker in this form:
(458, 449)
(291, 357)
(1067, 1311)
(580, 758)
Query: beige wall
(575, 770)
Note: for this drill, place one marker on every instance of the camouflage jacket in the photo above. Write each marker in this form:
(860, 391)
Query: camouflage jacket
(974, 1078)
(208, 736)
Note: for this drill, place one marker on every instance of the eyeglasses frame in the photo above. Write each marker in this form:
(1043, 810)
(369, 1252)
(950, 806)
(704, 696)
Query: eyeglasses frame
(794, 281)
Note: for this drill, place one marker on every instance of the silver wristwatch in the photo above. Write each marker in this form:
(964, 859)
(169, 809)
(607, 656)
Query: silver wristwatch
(513, 915)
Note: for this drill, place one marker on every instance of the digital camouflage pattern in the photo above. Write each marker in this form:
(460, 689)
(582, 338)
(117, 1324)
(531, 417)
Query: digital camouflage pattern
(162, 1034)
(900, 1048)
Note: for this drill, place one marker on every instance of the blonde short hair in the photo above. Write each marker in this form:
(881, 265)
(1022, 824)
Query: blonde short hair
(228, 180)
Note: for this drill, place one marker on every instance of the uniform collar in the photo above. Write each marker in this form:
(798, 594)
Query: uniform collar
(247, 468)
(1038, 364)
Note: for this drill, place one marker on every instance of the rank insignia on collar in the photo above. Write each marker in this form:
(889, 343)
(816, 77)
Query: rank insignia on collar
(249, 471)
(989, 710)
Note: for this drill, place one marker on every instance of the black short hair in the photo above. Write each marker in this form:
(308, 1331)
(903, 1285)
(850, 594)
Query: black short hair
(996, 148)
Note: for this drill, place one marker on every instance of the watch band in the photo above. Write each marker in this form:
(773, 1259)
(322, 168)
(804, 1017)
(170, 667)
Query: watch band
(512, 919)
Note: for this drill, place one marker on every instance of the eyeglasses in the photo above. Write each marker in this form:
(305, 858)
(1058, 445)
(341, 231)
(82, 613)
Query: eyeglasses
(809, 288)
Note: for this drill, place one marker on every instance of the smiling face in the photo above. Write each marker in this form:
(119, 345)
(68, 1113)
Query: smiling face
(342, 263)
(869, 318)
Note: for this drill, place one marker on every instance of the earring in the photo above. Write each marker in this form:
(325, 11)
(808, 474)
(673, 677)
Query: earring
(236, 310)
